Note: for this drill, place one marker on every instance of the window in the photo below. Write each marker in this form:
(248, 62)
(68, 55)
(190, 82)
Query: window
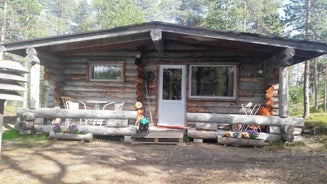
(213, 81)
(106, 72)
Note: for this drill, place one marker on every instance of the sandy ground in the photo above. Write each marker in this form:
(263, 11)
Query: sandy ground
(117, 162)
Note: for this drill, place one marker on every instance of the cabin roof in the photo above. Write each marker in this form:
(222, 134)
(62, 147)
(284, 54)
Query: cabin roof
(158, 34)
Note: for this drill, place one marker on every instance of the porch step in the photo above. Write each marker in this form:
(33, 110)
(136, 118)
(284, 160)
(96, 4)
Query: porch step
(159, 136)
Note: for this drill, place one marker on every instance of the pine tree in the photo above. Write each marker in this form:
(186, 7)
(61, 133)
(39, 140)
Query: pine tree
(59, 15)
(24, 20)
(306, 19)
(113, 13)
(83, 19)
(258, 16)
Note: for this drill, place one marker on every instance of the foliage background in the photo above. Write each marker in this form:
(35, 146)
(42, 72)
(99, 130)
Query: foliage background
(30, 19)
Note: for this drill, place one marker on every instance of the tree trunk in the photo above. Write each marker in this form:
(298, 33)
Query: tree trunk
(306, 90)
(4, 22)
(325, 88)
(315, 80)
(226, 23)
(2, 106)
(306, 112)
(245, 17)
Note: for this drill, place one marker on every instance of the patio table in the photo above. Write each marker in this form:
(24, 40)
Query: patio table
(97, 103)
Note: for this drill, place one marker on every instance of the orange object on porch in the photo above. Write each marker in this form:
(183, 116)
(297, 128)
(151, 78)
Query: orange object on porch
(264, 112)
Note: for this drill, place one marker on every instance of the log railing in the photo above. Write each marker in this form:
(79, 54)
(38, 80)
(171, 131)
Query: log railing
(243, 119)
(206, 125)
(27, 120)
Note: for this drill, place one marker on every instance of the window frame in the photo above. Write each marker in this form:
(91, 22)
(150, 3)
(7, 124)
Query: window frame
(116, 63)
(234, 97)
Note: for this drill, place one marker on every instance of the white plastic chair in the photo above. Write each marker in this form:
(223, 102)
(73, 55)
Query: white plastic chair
(119, 106)
(107, 105)
(75, 106)
(250, 109)
(116, 106)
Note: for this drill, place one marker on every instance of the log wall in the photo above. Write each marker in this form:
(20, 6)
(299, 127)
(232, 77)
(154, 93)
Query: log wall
(72, 80)
(251, 85)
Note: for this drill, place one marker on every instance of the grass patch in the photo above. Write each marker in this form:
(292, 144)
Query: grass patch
(318, 121)
(15, 135)
(317, 118)
(282, 145)
(278, 144)
(296, 144)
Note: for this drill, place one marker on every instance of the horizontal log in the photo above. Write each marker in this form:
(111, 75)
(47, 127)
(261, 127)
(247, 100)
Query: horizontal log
(206, 126)
(276, 130)
(95, 130)
(252, 79)
(269, 137)
(202, 134)
(241, 142)
(243, 119)
(79, 114)
(116, 123)
(81, 137)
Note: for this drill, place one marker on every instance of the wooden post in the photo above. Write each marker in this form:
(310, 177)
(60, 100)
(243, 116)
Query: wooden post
(283, 92)
(34, 78)
(2, 103)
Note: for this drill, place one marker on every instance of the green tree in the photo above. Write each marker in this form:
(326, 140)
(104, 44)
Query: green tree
(150, 10)
(24, 20)
(190, 12)
(306, 19)
(113, 13)
(58, 15)
(263, 17)
(315, 28)
(3, 20)
(258, 16)
(83, 19)
(225, 15)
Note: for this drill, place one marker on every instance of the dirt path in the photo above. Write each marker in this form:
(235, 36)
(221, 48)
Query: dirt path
(117, 162)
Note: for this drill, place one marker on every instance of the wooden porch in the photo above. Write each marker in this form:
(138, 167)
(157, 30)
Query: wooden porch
(201, 126)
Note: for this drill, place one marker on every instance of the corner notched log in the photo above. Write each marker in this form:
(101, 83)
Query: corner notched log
(156, 36)
(286, 133)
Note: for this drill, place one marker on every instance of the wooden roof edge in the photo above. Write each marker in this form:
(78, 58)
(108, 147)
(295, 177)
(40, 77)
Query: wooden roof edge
(171, 28)
(253, 38)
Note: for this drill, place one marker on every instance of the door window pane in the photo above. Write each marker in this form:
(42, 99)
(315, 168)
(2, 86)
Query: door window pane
(172, 84)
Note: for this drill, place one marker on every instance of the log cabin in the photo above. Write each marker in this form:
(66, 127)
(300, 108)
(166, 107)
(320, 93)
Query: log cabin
(202, 81)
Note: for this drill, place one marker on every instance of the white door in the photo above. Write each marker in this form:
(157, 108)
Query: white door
(171, 110)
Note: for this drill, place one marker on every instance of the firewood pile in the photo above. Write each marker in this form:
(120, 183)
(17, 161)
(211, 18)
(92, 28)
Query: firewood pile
(267, 109)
